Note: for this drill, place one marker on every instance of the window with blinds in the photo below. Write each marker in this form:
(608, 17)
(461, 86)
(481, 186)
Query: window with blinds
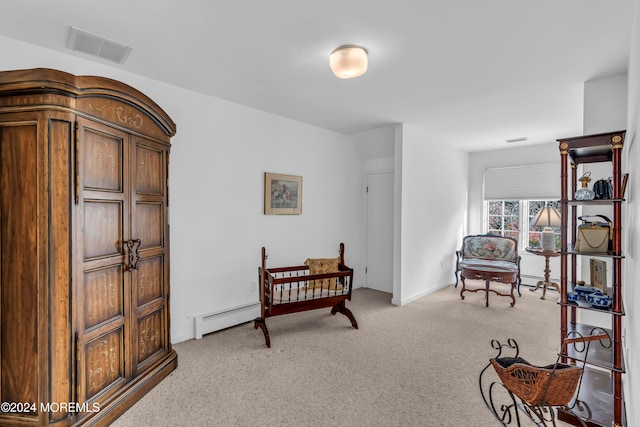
(513, 196)
(540, 181)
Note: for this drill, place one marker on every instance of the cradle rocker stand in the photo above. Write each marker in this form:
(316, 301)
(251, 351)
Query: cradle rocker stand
(319, 283)
(538, 392)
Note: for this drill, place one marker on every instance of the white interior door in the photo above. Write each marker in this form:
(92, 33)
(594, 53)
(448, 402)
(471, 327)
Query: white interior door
(379, 268)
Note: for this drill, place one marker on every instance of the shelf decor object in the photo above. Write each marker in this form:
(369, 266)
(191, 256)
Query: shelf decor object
(585, 193)
(598, 274)
(601, 392)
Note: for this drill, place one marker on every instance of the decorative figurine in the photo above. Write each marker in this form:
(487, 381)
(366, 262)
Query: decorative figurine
(585, 193)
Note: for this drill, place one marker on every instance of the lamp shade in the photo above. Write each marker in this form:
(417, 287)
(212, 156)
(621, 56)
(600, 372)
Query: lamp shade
(349, 61)
(547, 217)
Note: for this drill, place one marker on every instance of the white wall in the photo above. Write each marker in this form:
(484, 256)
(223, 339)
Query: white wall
(397, 214)
(376, 143)
(434, 197)
(430, 195)
(605, 104)
(631, 224)
(218, 158)
(217, 190)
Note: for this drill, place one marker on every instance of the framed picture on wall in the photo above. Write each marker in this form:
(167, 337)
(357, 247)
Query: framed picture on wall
(282, 194)
(598, 274)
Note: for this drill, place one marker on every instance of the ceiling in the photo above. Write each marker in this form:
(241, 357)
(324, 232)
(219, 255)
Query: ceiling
(469, 73)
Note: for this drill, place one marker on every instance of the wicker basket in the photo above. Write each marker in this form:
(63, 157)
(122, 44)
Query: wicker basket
(552, 385)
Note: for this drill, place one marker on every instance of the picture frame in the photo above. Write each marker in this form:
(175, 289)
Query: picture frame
(282, 194)
(598, 274)
(623, 186)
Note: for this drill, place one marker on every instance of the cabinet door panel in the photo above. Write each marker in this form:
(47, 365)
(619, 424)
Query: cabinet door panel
(149, 167)
(149, 220)
(103, 295)
(150, 281)
(102, 160)
(103, 222)
(104, 362)
(151, 335)
(103, 283)
(19, 259)
(60, 131)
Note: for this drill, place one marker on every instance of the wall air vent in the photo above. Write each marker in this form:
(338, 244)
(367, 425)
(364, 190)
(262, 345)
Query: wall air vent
(84, 42)
(522, 139)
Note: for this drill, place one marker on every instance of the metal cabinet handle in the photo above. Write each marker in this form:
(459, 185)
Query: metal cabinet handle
(133, 246)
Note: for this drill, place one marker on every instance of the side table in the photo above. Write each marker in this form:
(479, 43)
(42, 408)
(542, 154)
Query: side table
(546, 282)
(488, 274)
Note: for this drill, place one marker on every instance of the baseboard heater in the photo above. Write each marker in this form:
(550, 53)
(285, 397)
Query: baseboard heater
(207, 323)
(528, 278)
(532, 280)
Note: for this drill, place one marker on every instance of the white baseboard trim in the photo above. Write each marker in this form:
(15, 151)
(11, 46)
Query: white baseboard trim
(424, 293)
(180, 338)
(211, 322)
(531, 280)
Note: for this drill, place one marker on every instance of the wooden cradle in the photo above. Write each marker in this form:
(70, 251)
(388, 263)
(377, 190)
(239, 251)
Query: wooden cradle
(285, 290)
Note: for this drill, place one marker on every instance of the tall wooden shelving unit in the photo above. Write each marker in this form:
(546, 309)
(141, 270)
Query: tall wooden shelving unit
(601, 388)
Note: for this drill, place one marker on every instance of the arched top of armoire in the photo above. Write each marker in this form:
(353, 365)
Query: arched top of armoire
(97, 96)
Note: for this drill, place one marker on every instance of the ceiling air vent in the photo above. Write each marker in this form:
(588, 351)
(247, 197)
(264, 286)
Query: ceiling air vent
(84, 42)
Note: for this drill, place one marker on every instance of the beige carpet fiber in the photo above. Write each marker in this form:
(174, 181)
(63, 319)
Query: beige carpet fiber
(416, 365)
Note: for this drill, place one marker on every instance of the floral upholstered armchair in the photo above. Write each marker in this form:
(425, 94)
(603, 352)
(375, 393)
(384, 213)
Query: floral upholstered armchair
(485, 252)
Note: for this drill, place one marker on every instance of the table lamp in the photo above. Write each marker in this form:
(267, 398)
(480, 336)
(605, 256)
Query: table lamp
(547, 217)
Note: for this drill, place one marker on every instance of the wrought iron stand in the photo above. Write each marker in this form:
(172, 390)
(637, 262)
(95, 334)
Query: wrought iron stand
(515, 388)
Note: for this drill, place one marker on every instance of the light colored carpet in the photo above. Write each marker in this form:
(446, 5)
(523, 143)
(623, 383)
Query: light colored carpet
(416, 365)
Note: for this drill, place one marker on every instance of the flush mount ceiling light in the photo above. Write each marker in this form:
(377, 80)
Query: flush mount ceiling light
(88, 43)
(348, 61)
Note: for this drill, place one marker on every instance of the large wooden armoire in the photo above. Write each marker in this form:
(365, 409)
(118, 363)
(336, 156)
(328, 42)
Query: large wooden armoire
(84, 254)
